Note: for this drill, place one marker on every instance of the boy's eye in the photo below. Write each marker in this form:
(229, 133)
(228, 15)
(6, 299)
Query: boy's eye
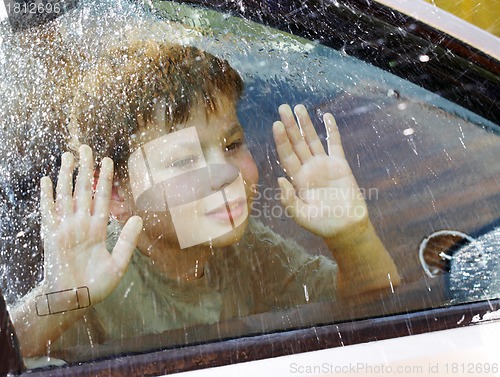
(184, 162)
(234, 145)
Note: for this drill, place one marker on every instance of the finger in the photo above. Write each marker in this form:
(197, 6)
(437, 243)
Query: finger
(83, 187)
(309, 132)
(335, 148)
(297, 141)
(127, 242)
(292, 203)
(47, 208)
(64, 191)
(288, 158)
(103, 193)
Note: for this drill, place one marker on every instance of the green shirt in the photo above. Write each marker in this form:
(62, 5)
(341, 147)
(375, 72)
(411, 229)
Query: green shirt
(262, 272)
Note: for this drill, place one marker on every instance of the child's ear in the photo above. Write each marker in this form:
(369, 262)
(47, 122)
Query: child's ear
(119, 206)
(141, 122)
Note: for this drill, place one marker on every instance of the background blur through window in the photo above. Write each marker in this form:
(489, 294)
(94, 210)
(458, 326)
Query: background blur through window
(482, 13)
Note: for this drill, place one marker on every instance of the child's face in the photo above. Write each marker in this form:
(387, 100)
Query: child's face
(193, 185)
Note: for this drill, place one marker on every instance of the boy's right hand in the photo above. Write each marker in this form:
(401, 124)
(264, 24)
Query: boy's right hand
(74, 230)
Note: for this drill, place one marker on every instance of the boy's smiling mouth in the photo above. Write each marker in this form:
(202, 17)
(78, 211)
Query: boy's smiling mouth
(231, 211)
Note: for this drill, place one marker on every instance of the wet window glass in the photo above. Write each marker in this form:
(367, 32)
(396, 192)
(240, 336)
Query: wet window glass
(227, 214)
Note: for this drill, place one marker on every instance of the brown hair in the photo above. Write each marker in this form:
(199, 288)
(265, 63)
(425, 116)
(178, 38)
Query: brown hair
(129, 80)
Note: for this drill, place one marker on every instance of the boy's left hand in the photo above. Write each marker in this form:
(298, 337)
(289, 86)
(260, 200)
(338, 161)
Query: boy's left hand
(322, 194)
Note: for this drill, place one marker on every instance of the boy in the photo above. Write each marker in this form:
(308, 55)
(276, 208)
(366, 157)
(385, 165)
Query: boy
(180, 193)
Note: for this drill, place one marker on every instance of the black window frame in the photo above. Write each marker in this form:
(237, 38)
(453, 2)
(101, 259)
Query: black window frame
(251, 348)
(472, 75)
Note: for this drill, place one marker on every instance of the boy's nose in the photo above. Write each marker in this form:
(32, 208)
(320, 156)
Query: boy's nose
(222, 175)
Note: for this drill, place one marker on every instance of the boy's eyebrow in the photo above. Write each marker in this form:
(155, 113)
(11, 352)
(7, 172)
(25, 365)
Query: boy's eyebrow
(235, 128)
(184, 148)
(187, 143)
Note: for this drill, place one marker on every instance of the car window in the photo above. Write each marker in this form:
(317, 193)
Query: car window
(424, 158)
